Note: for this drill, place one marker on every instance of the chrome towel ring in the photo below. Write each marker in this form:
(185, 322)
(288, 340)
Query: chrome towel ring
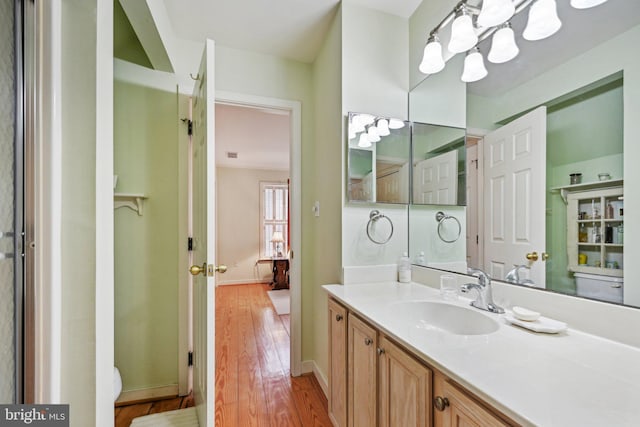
(441, 217)
(374, 216)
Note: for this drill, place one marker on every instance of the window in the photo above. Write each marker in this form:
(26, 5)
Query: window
(274, 221)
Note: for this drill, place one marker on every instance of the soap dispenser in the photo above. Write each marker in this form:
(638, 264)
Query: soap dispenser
(420, 259)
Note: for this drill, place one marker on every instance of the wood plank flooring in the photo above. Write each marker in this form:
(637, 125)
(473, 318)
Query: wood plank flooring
(254, 386)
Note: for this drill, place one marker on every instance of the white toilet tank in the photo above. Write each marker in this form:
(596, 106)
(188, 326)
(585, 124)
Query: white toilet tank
(603, 288)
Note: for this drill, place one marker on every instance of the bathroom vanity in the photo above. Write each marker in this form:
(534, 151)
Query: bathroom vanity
(401, 356)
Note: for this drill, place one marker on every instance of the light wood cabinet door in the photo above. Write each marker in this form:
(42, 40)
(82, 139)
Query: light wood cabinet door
(362, 378)
(405, 388)
(337, 364)
(459, 409)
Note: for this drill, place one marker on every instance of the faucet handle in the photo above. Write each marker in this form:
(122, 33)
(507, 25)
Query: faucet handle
(483, 278)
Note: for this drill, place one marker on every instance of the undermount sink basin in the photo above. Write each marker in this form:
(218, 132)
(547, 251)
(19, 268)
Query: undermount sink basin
(446, 317)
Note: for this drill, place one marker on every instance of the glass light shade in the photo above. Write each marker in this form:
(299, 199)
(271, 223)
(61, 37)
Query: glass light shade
(383, 127)
(543, 20)
(364, 141)
(586, 4)
(352, 132)
(432, 60)
(503, 46)
(495, 12)
(474, 68)
(396, 124)
(373, 134)
(463, 36)
(367, 119)
(358, 125)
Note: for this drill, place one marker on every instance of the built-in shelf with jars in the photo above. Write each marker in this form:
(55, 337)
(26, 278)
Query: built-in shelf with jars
(595, 231)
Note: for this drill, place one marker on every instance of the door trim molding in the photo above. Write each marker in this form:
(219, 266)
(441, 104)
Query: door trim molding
(295, 172)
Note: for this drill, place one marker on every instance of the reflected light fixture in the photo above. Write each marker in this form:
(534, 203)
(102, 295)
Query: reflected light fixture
(586, 4)
(543, 20)
(495, 12)
(432, 60)
(474, 68)
(364, 141)
(503, 45)
(396, 124)
(373, 134)
(463, 35)
(357, 124)
(383, 127)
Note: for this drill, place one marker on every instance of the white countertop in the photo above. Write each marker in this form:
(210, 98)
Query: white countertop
(566, 379)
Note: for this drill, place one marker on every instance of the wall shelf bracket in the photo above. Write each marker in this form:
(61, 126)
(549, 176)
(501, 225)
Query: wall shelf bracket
(131, 201)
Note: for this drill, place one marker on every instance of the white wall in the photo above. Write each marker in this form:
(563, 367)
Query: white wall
(375, 79)
(238, 224)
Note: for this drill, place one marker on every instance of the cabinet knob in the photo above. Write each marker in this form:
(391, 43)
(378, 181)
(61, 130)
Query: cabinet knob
(339, 317)
(368, 341)
(380, 351)
(545, 256)
(440, 403)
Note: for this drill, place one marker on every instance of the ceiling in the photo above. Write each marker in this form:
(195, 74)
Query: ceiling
(293, 29)
(260, 137)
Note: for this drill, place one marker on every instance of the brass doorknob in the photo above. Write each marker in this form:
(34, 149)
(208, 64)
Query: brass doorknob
(440, 403)
(532, 256)
(196, 269)
(545, 256)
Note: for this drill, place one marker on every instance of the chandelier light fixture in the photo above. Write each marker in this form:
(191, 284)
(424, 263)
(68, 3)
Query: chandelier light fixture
(473, 24)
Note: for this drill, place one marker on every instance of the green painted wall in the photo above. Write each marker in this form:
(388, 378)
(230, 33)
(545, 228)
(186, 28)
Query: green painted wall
(78, 240)
(146, 247)
(326, 187)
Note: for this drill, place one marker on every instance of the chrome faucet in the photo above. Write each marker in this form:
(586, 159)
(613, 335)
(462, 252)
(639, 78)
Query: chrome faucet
(485, 297)
(513, 276)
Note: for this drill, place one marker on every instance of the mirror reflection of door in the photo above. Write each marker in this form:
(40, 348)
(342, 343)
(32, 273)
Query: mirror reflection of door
(514, 208)
(436, 180)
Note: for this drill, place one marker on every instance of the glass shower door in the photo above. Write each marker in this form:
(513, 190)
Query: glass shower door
(7, 203)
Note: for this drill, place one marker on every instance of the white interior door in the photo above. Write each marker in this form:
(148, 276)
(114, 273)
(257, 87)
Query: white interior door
(437, 179)
(204, 239)
(514, 196)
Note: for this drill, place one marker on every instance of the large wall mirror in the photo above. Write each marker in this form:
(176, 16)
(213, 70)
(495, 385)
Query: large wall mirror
(378, 159)
(555, 128)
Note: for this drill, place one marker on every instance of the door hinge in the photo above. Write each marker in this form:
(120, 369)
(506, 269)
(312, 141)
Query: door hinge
(190, 127)
(190, 362)
(190, 244)
(477, 240)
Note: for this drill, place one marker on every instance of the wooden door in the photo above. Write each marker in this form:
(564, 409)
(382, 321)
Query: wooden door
(337, 364)
(437, 180)
(514, 196)
(362, 381)
(405, 388)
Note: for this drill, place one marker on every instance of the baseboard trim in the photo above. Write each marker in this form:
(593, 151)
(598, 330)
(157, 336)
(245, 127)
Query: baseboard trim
(243, 282)
(142, 394)
(311, 366)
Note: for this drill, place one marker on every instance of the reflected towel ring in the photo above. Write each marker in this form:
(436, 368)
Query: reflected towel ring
(441, 217)
(374, 216)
